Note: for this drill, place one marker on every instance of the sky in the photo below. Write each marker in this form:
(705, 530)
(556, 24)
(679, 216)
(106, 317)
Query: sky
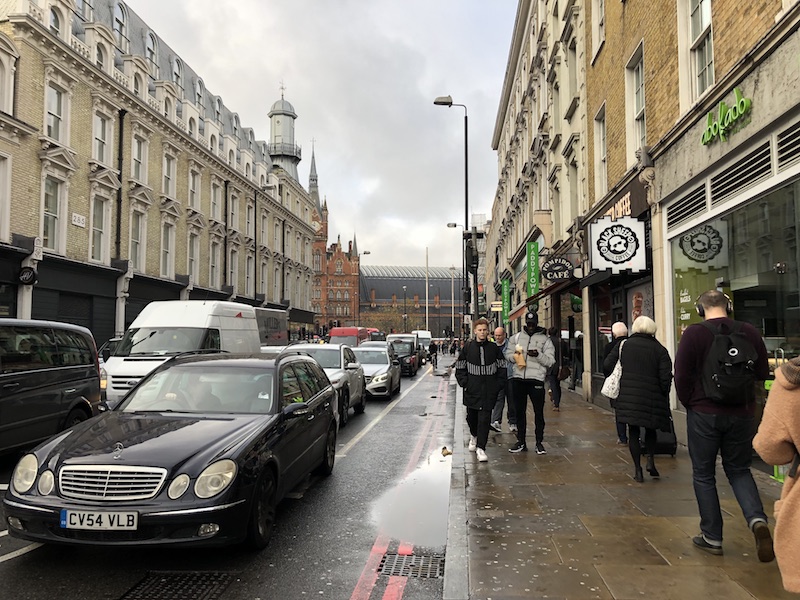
(362, 76)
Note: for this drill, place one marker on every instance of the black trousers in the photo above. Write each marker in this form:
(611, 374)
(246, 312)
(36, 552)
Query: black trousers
(533, 389)
(478, 421)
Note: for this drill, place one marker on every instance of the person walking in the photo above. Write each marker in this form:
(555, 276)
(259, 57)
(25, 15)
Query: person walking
(504, 395)
(714, 427)
(777, 441)
(553, 382)
(480, 371)
(619, 332)
(533, 354)
(643, 400)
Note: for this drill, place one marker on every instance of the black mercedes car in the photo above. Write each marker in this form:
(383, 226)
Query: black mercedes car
(199, 453)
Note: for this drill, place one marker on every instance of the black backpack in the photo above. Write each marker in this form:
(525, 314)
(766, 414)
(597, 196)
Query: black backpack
(729, 371)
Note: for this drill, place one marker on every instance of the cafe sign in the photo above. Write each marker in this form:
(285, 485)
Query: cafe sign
(617, 245)
(557, 268)
(727, 118)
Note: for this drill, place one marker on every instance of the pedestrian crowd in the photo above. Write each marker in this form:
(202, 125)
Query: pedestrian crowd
(718, 365)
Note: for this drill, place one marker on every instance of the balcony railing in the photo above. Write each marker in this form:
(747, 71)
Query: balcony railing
(290, 149)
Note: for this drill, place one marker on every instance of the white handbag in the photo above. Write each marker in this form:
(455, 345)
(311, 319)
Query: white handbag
(610, 387)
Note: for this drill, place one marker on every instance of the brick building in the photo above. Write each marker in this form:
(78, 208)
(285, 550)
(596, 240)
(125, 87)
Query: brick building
(124, 180)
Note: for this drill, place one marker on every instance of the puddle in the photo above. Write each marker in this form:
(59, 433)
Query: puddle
(415, 510)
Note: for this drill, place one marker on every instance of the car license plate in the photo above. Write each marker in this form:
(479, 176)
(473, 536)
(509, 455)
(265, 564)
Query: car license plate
(84, 519)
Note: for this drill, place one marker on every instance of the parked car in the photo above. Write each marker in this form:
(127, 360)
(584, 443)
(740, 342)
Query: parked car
(107, 349)
(343, 369)
(407, 356)
(49, 380)
(381, 371)
(198, 454)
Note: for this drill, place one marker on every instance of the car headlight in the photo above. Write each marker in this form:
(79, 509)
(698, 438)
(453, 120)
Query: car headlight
(379, 378)
(178, 486)
(25, 473)
(215, 478)
(46, 483)
(407, 359)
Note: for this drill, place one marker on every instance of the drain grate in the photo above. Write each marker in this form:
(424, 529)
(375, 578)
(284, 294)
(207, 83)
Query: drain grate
(411, 565)
(179, 585)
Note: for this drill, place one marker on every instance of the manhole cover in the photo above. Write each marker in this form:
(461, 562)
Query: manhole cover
(179, 585)
(411, 565)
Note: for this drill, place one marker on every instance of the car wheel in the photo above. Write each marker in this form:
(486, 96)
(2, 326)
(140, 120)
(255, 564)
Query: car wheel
(344, 408)
(361, 406)
(262, 517)
(325, 468)
(75, 416)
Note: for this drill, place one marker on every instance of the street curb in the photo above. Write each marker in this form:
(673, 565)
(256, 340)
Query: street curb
(456, 564)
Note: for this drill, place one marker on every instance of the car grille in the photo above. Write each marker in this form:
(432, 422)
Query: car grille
(125, 383)
(118, 482)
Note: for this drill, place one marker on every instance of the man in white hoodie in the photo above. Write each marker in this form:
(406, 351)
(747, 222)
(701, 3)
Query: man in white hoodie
(532, 354)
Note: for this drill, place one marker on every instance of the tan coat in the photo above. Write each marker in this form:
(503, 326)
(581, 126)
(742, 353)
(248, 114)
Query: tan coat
(776, 442)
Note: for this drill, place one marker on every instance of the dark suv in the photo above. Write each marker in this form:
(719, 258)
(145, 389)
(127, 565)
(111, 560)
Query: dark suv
(49, 380)
(407, 355)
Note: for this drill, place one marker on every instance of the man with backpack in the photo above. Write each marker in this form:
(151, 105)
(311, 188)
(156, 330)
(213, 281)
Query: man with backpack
(717, 366)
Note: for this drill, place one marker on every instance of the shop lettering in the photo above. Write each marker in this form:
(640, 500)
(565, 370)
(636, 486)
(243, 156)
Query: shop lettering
(726, 118)
(622, 208)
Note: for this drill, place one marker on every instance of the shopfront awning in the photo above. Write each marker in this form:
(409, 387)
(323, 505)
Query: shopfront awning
(555, 288)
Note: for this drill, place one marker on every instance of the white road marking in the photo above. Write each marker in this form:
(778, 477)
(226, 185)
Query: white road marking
(20, 552)
(3, 487)
(343, 452)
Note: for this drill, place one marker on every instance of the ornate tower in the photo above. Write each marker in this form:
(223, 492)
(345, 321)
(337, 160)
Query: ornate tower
(284, 152)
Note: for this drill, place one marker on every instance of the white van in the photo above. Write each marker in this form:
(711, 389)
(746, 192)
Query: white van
(167, 328)
(424, 338)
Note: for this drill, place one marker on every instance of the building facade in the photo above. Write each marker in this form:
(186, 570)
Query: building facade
(124, 180)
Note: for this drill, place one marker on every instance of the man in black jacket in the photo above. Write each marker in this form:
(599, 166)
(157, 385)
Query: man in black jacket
(619, 332)
(481, 371)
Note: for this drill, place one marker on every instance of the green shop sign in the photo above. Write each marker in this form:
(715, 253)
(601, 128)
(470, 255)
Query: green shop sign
(506, 300)
(727, 116)
(533, 268)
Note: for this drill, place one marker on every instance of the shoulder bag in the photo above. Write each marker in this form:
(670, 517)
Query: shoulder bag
(610, 387)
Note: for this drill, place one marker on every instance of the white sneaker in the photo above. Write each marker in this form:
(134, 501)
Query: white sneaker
(481, 454)
(473, 443)
(495, 426)
(512, 428)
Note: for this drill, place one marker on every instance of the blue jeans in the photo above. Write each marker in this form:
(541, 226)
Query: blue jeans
(504, 397)
(732, 437)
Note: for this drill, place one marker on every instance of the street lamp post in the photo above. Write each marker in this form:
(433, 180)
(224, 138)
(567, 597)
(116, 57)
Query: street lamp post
(437, 301)
(405, 314)
(464, 276)
(448, 101)
(452, 301)
(358, 289)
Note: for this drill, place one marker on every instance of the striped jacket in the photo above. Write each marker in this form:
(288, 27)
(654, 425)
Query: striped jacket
(481, 371)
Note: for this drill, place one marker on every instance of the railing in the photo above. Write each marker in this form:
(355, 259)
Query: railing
(291, 149)
(36, 11)
(153, 103)
(80, 48)
(121, 78)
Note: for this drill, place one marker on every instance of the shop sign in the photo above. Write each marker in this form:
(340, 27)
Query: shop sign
(27, 276)
(631, 201)
(727, 116)
(506, 299)
(533, 268)
(617, 245)
(704, 247)
(557, 268)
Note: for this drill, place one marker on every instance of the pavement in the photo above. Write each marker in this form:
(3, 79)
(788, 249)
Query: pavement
(573, 524)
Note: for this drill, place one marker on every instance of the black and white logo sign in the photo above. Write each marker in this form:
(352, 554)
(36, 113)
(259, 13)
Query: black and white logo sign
(617, 245)
(557, 268)
(27, 275)
(701, 244)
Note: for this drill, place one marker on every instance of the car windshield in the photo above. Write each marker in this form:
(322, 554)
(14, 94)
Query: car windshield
(350, 340)
(160, 341)
(402, 347)
(328, 358)
(202, 389)
(371, 357)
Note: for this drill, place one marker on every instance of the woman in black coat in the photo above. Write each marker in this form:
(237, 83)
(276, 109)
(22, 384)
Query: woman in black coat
(643, 399)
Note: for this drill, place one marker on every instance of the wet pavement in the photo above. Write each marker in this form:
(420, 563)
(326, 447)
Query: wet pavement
(573, 524)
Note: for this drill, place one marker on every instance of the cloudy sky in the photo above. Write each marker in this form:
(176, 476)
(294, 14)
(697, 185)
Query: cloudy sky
(362, 76)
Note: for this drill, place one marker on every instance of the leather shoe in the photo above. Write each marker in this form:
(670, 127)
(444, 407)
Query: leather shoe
(651, 468)
(638, 475)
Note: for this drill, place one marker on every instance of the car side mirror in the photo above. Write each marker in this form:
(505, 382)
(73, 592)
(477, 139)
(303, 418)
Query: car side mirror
(296, 410)
(352, 366)
(395, 362)
(106, 354)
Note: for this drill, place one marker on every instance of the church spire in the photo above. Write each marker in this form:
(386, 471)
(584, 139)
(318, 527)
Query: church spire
(313, 187)
(355, 245)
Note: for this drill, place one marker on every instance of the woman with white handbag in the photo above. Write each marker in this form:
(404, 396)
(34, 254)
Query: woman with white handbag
(642, 398)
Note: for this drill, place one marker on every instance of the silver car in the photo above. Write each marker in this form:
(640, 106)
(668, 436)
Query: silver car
(345, 372)
(381, 371)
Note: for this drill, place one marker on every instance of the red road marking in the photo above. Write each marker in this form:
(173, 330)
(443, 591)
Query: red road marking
(395, 588)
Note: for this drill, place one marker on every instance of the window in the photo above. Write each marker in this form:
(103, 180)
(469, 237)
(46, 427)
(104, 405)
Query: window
(233, 213)
(598, 25)
(139, 159)
(263, 283)
(120, 27)
(193, 254)
(233, 269)
(194, 186)
(601, 168)
(169, 176)
(99, 229)
(215, 201)
(55, 22)
(101, 138)
(249, 212)
(100, 58)
(346, 295)
(51, 215)
(264, 225)
(230, 157)
(151, 53)
(137, 86)
(137, 241)
(338, 267)
(55, 114)
(317, 262)
(192, 126)
(83, 8)
(177, 73)
(167, 108)
(218, 110)
(167, 250)
(248, 275)
(213, 143)
(635, 130)
(638, 103)
(213, 267)
(199, 93)
(702, 45)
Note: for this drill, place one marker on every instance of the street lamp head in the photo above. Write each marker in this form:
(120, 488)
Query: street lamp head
(443, 101)
(452, 225)
(366, 252)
